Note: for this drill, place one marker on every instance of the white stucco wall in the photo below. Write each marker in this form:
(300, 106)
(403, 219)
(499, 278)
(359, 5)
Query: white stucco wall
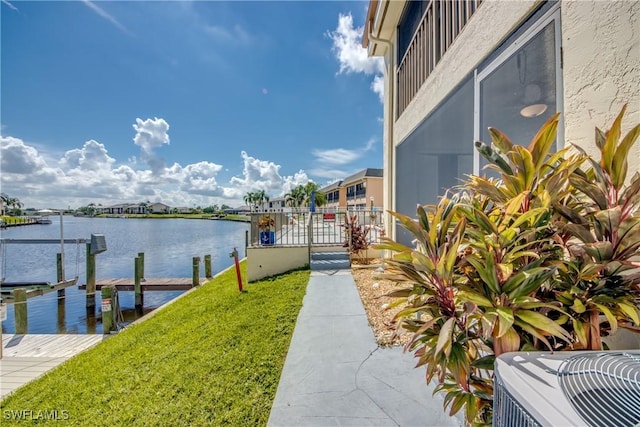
(601, 44)
(265, 262)
(488, 27)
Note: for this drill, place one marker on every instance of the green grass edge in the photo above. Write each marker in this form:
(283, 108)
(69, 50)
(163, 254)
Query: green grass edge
(212, 357)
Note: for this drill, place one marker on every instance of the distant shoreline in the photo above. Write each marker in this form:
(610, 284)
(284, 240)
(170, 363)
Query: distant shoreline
(8, 221)
(235, 218)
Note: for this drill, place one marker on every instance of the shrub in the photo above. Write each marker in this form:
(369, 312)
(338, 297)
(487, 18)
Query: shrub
(355, 234)
(534, 260)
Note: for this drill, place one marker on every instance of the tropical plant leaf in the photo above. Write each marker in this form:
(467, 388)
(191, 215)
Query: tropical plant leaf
(533, 332)
(619, 163)
(475, 298)
(500, 140)
(611, 142)
(526, 281)
(600, 251)
(505, 320)
(581, 332)
(399, 293)
(444, 338)
(485, 362)
(486, 270)
(579, 231)
(543, 140)
(631, 311)
(543, 323)
(613, 322)
(493, 157)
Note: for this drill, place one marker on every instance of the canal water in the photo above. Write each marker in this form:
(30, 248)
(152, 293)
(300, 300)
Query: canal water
(169, 246)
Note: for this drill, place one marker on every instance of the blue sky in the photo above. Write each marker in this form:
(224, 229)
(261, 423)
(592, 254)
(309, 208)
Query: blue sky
(188, 103)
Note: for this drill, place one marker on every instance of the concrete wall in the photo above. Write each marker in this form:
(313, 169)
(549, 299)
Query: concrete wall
(601, 44)
(264, 262)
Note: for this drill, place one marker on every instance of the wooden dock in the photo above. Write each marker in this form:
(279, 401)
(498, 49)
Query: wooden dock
(27, 357)
(150, 284)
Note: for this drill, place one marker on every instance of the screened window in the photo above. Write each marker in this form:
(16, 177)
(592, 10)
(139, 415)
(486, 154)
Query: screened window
(437, 154)
(519, 93)
(516, 89)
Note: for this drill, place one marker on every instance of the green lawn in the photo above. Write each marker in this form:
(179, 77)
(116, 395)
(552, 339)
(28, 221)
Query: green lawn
(213, 357)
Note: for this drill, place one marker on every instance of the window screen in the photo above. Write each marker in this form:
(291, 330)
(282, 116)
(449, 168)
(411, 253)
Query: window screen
(520, 94)
(436, 155)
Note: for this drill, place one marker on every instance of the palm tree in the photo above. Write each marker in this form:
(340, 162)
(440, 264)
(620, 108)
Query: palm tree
(13, 202)
(320, 197)
(4, 202)
(295, 198)
(260, 198)
(249, 198)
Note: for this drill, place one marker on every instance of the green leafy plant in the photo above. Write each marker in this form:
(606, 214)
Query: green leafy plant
(355, 234)
(599, 283)
(531, 261)
(266, 222)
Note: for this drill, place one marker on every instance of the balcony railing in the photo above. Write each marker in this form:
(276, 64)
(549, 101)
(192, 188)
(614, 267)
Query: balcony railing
(441, 23)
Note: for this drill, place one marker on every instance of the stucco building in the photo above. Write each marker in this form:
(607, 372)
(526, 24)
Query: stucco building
(356, 192)
(454, 68)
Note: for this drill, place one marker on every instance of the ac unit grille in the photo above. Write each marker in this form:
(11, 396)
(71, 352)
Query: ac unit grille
(603, 388)
(506, 410)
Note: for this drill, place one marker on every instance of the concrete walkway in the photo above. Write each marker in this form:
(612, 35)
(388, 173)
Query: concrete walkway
(26, 357)
(336, 375)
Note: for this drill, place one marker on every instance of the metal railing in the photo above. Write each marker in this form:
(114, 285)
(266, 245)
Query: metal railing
(322, 228)
(441, 23)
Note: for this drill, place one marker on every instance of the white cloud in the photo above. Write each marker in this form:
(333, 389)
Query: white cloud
(353, 58)
(265, 175)
(347, 45)
(377, 85)
(11, 6)
(19, 158)
(90, 175)
(92, 156)
(336, 156)
(342, 156)
(228, 34)
(97, 9)
(331, 175)
(151, 134)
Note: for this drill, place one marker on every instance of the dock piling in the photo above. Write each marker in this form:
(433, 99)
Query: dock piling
(91, 282)
(207, 266)
(139, 295)
(20, 310)
(60, 275)
(141, 256)
(196, 271)
(109, 309)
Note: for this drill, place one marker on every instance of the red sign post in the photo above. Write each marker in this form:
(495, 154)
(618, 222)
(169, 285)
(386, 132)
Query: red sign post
(234, 255)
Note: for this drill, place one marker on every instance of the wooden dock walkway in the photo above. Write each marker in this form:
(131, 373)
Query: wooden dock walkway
(26, 357)
(150, 284)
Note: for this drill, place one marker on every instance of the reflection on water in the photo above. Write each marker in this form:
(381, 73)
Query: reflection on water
(169, 246)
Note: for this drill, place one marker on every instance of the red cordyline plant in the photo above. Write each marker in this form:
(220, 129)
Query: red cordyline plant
(541, 259)
(356, 234)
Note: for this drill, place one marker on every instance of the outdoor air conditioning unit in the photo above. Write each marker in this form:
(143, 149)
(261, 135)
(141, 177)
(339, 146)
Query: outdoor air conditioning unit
(600, 388)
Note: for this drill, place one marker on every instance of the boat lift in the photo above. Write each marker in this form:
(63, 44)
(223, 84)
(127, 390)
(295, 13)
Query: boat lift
(32, 288)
